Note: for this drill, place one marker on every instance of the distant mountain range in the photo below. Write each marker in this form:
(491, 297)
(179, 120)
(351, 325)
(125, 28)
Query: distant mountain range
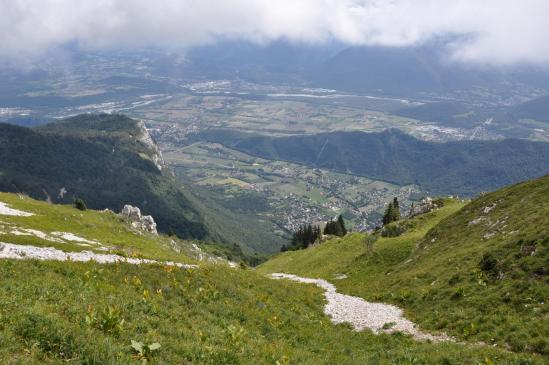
(465, 168)
(370, 69)
(416, 70)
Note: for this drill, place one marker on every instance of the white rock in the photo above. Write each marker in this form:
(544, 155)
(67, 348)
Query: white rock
(74, 238)
(5, 210)
(362, 314)
(144, 223)
(11, 251)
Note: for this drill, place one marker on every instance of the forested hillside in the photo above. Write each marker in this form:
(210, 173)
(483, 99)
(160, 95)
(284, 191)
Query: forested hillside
(464, 168)
(104, 160)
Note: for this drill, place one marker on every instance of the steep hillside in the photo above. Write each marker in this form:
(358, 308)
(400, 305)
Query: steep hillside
(65, 228)
(107, 160)
(110, 161)
(122, 313)
(478, 272)
(464, 168)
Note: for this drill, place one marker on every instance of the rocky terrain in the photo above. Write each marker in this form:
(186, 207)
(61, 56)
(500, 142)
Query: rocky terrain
(377, 317)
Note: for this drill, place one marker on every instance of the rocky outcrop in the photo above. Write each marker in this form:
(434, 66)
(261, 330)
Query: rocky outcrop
(425, 205)
(146, 138)
(142, 222)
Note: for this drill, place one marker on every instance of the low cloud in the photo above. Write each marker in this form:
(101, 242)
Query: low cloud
(497, 32)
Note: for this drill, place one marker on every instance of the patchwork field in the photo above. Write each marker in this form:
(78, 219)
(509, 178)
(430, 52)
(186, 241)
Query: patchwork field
(286, 194)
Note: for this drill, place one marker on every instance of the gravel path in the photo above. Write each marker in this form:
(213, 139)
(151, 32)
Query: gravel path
(11, 251)
(362, 314)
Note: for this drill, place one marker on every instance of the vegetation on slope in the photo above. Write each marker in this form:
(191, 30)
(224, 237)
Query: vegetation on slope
(254, 235)
(88, 313)
(112, 233)
(464, 168)
(100, 159)
(478, 273)
(103, 160)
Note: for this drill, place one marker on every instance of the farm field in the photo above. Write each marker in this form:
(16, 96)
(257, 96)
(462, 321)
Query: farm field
(285, 193)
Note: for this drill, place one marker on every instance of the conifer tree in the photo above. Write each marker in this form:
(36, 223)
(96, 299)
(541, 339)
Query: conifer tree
(305, 236)
(336, 227)
(388, 214)
(396, 207)
(341, 224)
(79, 204)
(392, 213)
(328, 229)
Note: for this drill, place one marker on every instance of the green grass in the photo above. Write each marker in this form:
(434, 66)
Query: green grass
(54, 312)
(338, 255)
(87, 313)
(107, 228)
(436, 271)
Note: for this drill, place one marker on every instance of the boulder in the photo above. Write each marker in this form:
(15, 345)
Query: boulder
(143, 222)
(424, 206)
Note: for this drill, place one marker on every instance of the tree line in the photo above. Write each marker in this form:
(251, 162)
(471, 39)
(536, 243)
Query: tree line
(392, 213)
(308, 234)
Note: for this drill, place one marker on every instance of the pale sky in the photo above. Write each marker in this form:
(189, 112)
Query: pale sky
(499, 32)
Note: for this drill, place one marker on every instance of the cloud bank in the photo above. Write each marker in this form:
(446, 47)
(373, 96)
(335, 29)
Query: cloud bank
(489, 31)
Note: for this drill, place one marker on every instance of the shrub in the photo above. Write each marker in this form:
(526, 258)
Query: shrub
(109, 320)
(80, 204)
(488, 264)
(394, 229)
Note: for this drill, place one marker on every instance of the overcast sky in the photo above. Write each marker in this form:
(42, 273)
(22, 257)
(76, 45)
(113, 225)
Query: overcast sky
(492, 31)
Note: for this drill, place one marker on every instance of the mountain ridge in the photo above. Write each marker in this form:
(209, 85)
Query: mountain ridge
(459, 167)
(99, 159)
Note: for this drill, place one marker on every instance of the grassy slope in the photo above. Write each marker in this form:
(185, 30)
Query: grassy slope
(434, 271)
(57, 312)
(207, 316)
(105, 227)
(339, 254)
